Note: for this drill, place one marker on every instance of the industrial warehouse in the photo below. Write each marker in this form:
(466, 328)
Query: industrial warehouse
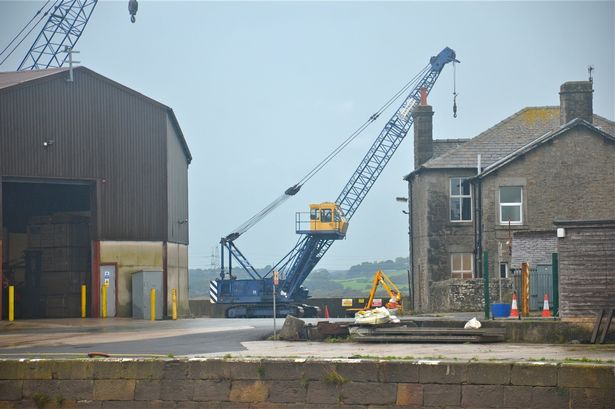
(94, 188)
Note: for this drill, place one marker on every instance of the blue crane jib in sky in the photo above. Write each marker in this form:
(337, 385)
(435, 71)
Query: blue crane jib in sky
(65, 25)
(312, 246)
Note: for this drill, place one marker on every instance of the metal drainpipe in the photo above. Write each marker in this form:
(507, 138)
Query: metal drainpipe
(411, 244)
(478, 235)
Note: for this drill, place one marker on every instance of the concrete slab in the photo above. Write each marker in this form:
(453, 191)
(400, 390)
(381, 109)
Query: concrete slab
(464, 352)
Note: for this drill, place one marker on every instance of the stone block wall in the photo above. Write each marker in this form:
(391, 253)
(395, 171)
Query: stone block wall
(301, 384)
(466, 295)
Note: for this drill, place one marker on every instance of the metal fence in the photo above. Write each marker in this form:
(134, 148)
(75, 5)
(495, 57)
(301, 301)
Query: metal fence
(541, 283)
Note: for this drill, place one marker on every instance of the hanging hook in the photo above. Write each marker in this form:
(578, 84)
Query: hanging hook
(454, 105)
(454, 90)
(133, 6)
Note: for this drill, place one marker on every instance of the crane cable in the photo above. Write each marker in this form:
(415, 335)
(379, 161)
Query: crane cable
(291, 191)
(360, 129)
(29, 31)
(24, 28)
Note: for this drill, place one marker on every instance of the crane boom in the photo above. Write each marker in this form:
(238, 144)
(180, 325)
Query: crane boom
(65, 25)
(312, 246)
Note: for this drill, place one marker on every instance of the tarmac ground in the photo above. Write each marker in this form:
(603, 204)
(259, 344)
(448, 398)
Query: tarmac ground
(203, 337)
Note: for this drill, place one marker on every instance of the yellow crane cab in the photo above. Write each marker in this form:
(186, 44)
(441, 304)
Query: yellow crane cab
(325, 218)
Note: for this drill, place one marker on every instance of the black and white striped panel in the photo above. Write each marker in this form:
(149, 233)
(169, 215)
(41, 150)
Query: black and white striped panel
(213, 291)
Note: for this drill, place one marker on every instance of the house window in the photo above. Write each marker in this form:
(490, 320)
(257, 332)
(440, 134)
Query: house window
(461, 200)
(461, 265)
(503, 270)
(511, 202)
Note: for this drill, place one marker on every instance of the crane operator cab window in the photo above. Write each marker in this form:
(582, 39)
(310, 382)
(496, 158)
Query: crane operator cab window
(325, 215)
(324, 219)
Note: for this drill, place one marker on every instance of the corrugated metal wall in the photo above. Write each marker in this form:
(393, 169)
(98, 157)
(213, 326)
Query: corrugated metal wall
(586, 268)
(102, 132)
(177, 188)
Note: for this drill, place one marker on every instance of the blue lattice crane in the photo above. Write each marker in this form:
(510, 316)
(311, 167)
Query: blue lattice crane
(324, 224)
(65, 23)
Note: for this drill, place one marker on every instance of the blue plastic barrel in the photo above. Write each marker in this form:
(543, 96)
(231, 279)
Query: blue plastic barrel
(500, 310)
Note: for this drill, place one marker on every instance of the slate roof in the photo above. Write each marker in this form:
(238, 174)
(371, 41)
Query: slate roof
(442, 146)
(506, 137)
(541, 140)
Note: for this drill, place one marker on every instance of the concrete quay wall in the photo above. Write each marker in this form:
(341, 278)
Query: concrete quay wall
(303, 384)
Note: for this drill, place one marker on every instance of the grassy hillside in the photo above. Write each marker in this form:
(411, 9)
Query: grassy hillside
(322, 283)
(355, 282)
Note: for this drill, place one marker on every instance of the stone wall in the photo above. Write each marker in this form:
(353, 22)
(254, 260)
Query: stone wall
(545, 174)
(300, 384)
(466, 295)
(434, 236)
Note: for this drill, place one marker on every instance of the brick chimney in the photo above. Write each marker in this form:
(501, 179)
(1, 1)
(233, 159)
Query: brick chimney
(423, 132)
(575, 101)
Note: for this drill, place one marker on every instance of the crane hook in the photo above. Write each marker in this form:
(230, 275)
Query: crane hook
(133, 6)
(454, 90)
(455, 105)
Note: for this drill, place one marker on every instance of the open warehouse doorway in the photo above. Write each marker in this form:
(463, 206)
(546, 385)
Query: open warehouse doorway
(46, 245)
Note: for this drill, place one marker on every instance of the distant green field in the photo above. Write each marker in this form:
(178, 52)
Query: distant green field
(337, 285)
(355, 282)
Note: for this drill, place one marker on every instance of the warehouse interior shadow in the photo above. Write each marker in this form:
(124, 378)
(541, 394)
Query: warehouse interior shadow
(46, 245)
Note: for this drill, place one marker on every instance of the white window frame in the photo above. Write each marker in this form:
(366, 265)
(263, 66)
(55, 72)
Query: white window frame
(506, 270)
(510, 204)
(460, 198)
(462, 272)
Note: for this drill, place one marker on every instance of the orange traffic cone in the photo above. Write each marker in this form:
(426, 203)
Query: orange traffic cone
(545, 309)
(514, 310)
(326, 312)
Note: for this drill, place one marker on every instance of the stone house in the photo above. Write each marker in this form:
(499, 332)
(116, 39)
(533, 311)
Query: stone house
(509, 183)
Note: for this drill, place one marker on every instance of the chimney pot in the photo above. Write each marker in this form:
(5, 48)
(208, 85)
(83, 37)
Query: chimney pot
(423, 96)
(576, 101)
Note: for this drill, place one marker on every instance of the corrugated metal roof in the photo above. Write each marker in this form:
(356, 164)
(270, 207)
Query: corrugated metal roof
(17, 78)
(9, 79)
(507, 136)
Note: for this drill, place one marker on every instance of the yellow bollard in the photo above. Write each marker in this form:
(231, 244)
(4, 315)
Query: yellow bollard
(83, 300)
(152, 304)
(11, 303)
(174, 302)
(104, 301)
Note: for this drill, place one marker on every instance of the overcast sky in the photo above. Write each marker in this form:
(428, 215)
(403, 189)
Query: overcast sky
(264, 90)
